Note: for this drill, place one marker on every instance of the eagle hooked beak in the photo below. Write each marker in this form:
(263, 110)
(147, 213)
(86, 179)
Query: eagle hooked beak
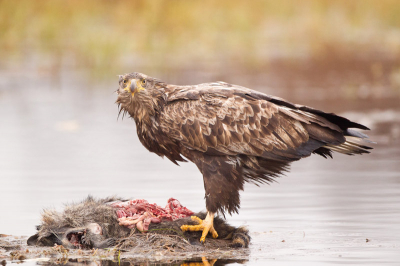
(133, 86)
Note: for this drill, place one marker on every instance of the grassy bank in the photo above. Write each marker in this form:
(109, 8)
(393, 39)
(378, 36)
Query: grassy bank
(95, 32)
(108, 37)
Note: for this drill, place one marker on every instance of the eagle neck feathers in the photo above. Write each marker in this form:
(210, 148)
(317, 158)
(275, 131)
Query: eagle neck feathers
(146, 110)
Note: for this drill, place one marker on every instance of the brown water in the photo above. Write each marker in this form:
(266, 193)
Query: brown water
(60, 141)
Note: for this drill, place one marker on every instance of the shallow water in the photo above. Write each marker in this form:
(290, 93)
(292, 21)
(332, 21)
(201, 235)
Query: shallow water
(61, 141)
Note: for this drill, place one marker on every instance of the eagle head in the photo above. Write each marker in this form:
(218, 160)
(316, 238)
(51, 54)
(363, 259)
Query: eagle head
(139, 95)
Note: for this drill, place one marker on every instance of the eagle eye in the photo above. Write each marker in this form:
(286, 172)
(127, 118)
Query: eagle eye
(143, 82)
(125, 81)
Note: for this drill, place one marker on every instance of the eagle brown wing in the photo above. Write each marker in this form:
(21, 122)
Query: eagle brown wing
(236, 135)
(222, 119)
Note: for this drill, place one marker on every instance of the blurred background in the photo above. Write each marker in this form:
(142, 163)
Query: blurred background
(60, 139)
(313, 50)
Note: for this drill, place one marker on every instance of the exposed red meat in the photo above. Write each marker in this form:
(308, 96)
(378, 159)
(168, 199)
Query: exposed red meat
(139, 213)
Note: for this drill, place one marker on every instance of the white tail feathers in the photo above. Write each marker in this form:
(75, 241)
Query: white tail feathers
(352, 145)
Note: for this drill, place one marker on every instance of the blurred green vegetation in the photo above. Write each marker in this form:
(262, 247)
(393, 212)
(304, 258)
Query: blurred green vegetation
(113, 37)
(98, 33)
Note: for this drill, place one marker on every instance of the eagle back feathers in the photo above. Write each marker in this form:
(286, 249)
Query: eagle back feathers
(219, 118)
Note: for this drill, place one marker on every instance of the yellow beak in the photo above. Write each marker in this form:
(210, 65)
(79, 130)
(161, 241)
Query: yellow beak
(133, 86)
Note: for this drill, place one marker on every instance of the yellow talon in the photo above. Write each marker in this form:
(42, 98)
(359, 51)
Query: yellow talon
(203, 263)
(207, 225)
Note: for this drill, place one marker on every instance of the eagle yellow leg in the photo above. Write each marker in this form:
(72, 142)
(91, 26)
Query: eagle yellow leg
(206, 225)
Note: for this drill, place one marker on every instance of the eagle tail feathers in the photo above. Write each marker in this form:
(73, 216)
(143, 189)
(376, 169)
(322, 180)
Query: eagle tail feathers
(352, 145)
